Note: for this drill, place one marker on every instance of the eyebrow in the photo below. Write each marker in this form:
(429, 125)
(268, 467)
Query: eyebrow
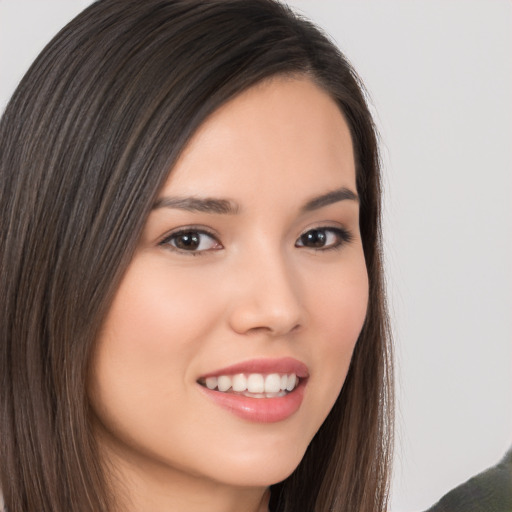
(197, 204)
(341, 194)
(226, 206)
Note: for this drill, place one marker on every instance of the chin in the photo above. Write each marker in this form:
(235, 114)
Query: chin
(265, 468)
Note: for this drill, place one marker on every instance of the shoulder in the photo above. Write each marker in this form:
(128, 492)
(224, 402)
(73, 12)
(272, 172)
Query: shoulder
(489, 490)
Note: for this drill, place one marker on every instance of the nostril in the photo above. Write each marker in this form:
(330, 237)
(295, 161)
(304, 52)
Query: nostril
(273, 329)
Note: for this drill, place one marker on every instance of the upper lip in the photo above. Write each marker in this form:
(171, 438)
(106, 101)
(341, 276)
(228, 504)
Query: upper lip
(282, 365)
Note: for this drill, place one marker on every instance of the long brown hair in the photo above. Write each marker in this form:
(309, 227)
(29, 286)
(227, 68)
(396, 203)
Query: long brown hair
(86, 142)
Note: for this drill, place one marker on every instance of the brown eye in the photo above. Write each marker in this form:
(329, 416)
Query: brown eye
(323, 238)
(314, 238)
(192, 241)
(188, 241)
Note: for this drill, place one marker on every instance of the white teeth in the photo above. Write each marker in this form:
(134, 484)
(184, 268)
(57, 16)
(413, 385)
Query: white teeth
(292, 380)
(239, 382)
(224, 383)
(256, 384)
(211, 382)
(272, 383)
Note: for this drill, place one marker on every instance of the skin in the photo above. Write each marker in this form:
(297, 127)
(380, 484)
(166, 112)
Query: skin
(253, 290)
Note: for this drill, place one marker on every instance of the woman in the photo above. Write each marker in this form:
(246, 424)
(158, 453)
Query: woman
(193, 314)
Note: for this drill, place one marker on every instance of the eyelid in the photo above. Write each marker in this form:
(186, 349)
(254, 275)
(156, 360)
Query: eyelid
(201, 230)
(344, 235)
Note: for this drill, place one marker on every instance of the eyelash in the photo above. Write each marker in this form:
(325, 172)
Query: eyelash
(343, 237)
(167, 241)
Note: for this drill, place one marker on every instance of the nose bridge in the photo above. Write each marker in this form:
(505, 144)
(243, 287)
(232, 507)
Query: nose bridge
(268, 295)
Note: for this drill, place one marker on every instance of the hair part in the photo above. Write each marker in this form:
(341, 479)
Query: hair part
(86, 143)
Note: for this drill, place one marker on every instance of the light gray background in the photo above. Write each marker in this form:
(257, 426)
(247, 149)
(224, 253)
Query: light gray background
(440, 79)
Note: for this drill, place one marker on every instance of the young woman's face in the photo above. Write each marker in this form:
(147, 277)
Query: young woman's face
(250, 275)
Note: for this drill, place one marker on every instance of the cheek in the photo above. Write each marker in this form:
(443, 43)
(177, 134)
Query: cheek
(141, 363)
(156, 312)
(340, 310)
(338, 299)
(345, 311)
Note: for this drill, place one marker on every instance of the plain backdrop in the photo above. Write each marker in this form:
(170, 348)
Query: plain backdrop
(439, 76)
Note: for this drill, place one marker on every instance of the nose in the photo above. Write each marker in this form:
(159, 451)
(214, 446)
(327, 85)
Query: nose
(267, 298)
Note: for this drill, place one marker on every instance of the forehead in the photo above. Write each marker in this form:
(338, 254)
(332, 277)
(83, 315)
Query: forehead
(280, 133)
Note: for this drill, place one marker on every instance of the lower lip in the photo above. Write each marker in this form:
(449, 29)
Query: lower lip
(259, 410)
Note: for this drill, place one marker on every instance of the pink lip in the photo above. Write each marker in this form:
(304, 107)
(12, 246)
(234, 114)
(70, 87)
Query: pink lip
(261, 410)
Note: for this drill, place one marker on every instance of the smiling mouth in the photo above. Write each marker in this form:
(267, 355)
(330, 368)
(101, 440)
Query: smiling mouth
(253, 385)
